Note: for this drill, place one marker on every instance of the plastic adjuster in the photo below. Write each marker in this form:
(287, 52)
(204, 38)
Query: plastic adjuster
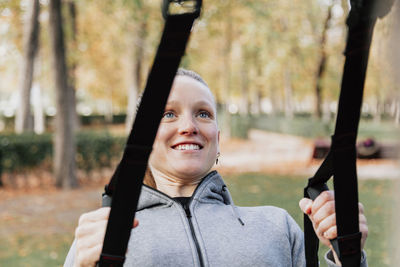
(182, 7)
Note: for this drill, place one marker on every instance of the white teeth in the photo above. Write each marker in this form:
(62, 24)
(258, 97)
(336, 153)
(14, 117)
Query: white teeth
(188, 147)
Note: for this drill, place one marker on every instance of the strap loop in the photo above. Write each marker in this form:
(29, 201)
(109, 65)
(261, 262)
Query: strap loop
(349, 244)
(111, 260)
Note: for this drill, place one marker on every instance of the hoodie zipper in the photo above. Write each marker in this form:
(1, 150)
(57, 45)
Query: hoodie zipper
(196, 242)
(189, 215)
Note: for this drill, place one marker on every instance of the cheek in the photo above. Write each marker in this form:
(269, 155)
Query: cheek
(163, 134)
(212, 134)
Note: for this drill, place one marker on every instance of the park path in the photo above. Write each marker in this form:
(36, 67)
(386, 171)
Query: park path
(266, 152)
(285, 154)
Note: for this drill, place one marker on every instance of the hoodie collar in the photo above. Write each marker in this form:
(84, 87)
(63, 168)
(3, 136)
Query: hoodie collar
(211, 189)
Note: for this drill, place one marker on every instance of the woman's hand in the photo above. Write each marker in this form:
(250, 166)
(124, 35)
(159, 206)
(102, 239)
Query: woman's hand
(323, 217)
(89, 236)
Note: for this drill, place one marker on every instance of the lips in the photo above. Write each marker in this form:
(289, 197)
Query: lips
(187, 146)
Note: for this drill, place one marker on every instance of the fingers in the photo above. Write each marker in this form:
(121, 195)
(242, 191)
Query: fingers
(305, 205)
(89, 256)
(323, 212)
(320, 201)
(89, 236)
(363, 224)
(92, 216)
(135, 223)
(327, 227)
(323, 217)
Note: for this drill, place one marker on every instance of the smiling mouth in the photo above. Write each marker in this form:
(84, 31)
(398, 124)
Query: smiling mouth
(187, 147)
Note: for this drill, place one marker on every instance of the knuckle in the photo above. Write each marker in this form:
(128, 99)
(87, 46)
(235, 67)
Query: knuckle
(327, 194)
(316, 219)
(331, 206)
(77, 232)
(364, 228)
(83, 218)
(362, 219)
(332, 232)
(361, 207)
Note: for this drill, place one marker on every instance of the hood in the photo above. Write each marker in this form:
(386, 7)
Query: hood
(211, 189)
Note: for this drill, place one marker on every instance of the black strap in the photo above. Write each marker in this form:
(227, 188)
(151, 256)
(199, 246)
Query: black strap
(126, 183)
(341, 159)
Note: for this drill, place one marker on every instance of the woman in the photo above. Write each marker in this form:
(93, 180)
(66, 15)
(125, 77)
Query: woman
(186, 214)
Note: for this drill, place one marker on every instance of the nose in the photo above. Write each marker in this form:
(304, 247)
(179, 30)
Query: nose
(188, 125)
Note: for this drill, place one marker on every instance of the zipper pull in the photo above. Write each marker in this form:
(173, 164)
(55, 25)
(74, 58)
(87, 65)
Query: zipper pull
(187, 211)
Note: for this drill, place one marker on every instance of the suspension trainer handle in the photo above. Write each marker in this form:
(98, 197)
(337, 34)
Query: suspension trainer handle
(123, 191)
(341, 159)
(179, 7)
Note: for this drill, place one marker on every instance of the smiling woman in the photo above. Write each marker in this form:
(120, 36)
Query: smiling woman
(186, 213)
(187, 142)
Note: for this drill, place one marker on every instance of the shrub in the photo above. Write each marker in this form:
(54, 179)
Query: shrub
(94, 150)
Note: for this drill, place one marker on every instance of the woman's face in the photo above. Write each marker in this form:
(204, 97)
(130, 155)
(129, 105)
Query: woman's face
(187, 140)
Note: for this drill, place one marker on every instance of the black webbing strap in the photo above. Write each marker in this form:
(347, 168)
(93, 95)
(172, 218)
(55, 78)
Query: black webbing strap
(125, 185)
(341, 159)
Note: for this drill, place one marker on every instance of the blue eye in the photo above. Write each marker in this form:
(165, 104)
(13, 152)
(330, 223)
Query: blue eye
(204, 114)
(168, 115)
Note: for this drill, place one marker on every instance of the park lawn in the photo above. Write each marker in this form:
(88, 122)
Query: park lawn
(248, 190)
(378, 196)
(30, 250)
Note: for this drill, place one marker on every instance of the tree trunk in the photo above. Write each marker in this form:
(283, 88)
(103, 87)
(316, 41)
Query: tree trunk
(137, 67)
(393, 54)
(38, 114)
(257, 102)
(397, 113)
(244, 73)
(322, 65)
(1, 169)
(288, 94)
(72, 14)
(64, 140)
(23, 118)
(227, 72)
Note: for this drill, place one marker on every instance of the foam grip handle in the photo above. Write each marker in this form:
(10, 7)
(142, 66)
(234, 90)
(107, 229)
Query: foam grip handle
(316, 190)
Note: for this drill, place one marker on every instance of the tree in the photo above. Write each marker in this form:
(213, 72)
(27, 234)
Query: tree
(322, 64)
(64, 140)
(23, 118)
(140, 15)
(227, 69)
(73, 62)
(394, 54)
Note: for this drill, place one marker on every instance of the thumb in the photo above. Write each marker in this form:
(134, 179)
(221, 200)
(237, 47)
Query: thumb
(305, 205)
(135, 223)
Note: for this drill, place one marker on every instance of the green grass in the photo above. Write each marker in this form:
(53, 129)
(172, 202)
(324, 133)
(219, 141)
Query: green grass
(309, 127)
(34, 250)
(247, 190)
(378, 197)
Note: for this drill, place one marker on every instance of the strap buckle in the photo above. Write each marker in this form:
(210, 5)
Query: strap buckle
(364, 10)
(181, 7)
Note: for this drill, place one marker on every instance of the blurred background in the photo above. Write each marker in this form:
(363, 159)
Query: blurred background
(71, 72)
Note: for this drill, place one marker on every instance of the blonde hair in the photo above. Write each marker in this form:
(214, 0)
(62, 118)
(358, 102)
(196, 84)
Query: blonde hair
(149, 179)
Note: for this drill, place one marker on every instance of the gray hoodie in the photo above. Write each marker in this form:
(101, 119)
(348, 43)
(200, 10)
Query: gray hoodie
(212, 231)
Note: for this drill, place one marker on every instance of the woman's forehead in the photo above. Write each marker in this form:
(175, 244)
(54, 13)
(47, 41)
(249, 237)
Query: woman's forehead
(186, 88)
